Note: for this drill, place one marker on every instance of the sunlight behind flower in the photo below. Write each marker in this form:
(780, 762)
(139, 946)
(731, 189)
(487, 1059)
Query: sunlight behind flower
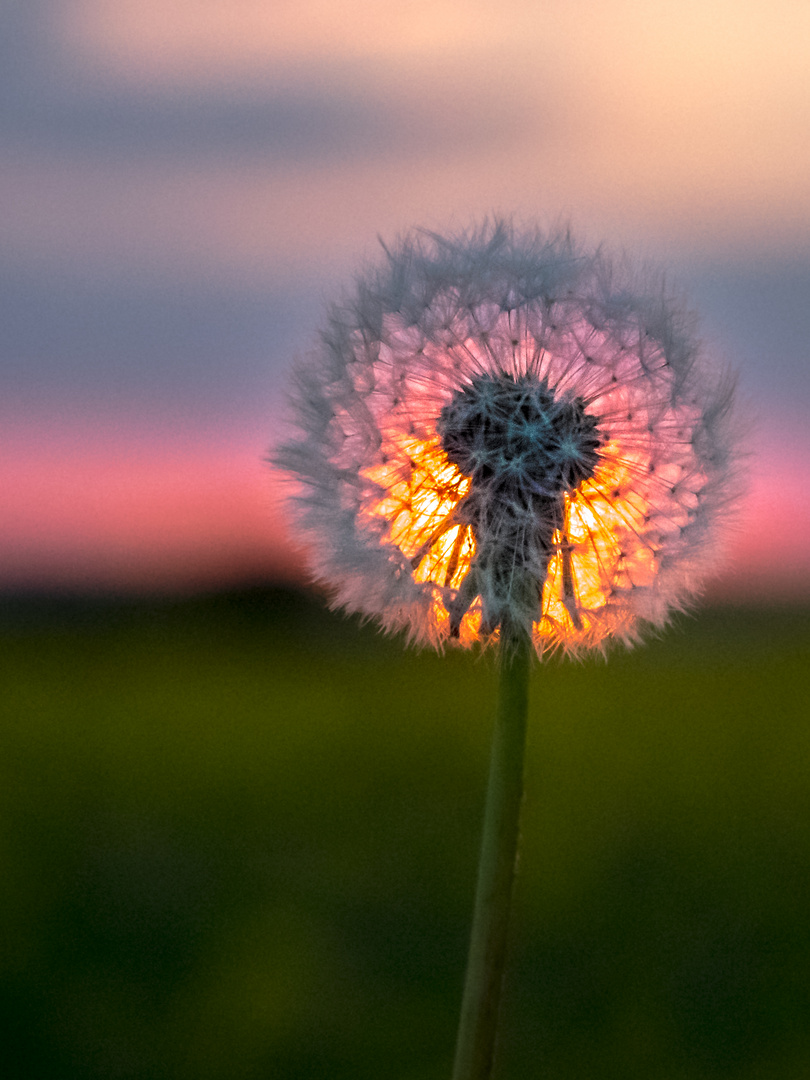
(502, 430)
(418, 510)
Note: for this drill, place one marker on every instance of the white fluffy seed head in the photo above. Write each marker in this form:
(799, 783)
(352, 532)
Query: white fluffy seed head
(502, 429)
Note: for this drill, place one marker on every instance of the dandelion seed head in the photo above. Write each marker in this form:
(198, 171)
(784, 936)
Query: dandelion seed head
(500, 429)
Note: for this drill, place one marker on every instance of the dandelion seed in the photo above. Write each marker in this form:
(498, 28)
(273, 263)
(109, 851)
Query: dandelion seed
(500, 430)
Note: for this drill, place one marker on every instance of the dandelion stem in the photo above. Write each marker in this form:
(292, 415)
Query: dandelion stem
(475, 1048)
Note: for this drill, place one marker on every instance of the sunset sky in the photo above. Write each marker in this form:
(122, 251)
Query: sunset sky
(185, 183)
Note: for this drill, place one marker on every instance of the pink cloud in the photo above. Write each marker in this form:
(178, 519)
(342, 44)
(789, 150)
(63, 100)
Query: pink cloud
(769, 551)
(142, 520)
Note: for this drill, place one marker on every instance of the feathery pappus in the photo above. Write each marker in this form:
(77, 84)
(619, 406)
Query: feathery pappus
(500, 430)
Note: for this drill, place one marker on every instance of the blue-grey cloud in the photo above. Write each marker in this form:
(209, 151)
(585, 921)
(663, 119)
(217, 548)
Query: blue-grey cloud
(293, 122)
(302, 114)
(758, 314)
(156, 352)
(167, 351)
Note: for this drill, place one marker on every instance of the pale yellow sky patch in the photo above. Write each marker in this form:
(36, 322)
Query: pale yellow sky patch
(655, 43)
(191, 39)
(684, 122)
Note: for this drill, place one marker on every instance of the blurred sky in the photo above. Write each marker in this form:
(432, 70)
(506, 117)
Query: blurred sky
(184, 183)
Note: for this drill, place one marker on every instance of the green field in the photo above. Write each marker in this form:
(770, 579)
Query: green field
(239, 834)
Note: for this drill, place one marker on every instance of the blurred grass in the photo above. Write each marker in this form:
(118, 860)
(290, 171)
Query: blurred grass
(238, 839)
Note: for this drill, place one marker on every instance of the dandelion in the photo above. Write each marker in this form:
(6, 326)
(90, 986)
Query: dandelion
(501, 430)
(505, 438)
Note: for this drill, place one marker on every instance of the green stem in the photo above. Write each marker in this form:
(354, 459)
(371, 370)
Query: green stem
(475, 1047)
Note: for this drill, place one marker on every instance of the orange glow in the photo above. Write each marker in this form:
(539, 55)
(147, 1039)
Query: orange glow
(420, 493)
(594, 517)
(419, 502)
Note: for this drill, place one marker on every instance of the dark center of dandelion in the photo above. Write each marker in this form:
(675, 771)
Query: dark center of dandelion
(524, 447)
(518, 438)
